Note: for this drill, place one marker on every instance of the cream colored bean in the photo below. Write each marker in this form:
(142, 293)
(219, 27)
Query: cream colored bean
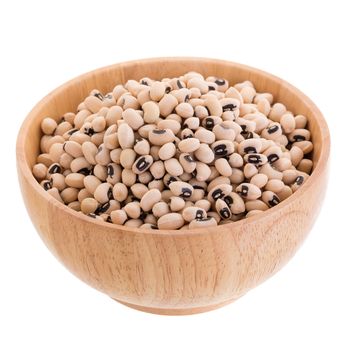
(256, 204)
(167, 104)
(133, 210)
(300, 121)
(75, 180)
(305, 166)
(171, 124)
(126, 136)
(181, 189)
(189, 145)
(157, 91)
(173, 167)
(102, 157)
(274, 185)
(203, 171)
(250, 146)
(149, 199)
(167, 151)
(259, 180)
(176, 203)
(59, 181)
(277, 110)
(193, 213)
(145, 177)
(128, 177)
(204, 153)
(203, 203)
(84, 193)
(48, 126)
(208, 222)
(55, 194)
(141, 147)
(305, 146)
(159, 137)
(171, 221)
(89, 151)
(40, 171)
(159, 209)
(270, 198)
(69, 195)
(248, 191)
(223, 148)
(223, 167)
(142, 164)
(250, 170)
(237, 176)
(89, 205)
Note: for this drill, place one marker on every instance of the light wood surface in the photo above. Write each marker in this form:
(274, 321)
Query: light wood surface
(172, 272)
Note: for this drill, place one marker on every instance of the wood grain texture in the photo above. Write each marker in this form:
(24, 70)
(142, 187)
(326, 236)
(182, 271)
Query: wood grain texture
(172, 272)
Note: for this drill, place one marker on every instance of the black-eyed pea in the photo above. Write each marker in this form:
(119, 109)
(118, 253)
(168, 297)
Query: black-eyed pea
(273, 154)
(223, 209)
(232, 92)
(285, 193)
(271, 173)
(299, 135)
(204, 153)
(120, 192)
(67, 172)
(189, 145)
(301, 178)
(145, 178)
(225, 131)
(289, 176)
(222, 84)
(237, 176)
(209, 122)
(159, 209)
(159, 137)
(202, 171)
(58, 181)
(167, 104)
(287, 122)
(103, 192)
(192, 123)
(110, 206)
(69, 194)
(135, 223)
(201, 112)
(100, 171)
(255, 159)
(55, 194)
(184, 110)
(118, 91)
(195, 92)
(235, 160)
(256, 204)
(300, 121)
(79, 137)
(93, 103)
(148, 227)
(193, 213)
(167, 151)
(54, 168)
(229, 116)
(270, 198)
(47, 141)
(150, 219)
(176, 203)
(133, 210)
(229, 104)
(113, 115)
(259, 180)
(248, 126)
(173, 167)
(197, 82)
(213, 173)
(127, 158)
(102, 157)
(223, 148)
(149, 199)
(277, 110)
(141, 147)
(305, 166)
(141, 164)
(219, 192)
(157, 169)
(248, 191)
(274, 185)
(55, 151)
(250, 170)
(197, 194)
(132, 118)
(157, 90)
(181, 189)
(144, 96)
(305, 146)
(129, 177)
(39, 171)
(89, 205)
(69, 117)
(260, 120)
(115, 155)
(126, 136)
(171, 124)
(248, 93)
(80, 117)
(154, 152)
(62, 128)
(204, 204)
(187, 162)
(84, 193)
(264, 106)
(48, 126)
(97, 138)
(45, 159)
(250, 146)
(113, 173)
(272, 132)
(207, 222)
(223, 167)
(171, 221)
(89, 151)
(118, 216)
(74, 205)
(128, 101)
(213, 105)
(219, 180)
(75, 180)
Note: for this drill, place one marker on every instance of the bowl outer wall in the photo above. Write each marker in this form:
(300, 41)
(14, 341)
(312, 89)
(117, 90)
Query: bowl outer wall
(172, 269)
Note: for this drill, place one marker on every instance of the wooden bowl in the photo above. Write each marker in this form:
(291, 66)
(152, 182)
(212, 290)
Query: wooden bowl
(172, 272)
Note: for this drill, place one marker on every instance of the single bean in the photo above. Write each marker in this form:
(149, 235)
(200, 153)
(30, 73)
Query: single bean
(248, 191)
(171, 221)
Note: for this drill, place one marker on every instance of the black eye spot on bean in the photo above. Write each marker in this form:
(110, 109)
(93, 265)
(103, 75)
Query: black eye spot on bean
(141, 164)
(194, 173)
(184, 126)
(110, 170)
(144, 82)
(244, 191)
(47, 185)
(179, 84)
(247, 135)
(84, 171)
(218, 193)
(228, 200)
(108, 97)
(220, 82)
(167, 89)
(254, 158)
(154, 227)
(158, 132)
(110, 193)
(99, 149)
(250, 149)
(272, 129)
(189, 158)
(185, 193)
(211, 88)
(244, 128)
(199, 214)
(92, 215)
(229, 107)
(187, 98)
(225, 213)
(89, 131)
(299, 138)
(71, 132)
(54, 169)
(220, 150)
(171, 179)
(143, 215)
(198, 187)
(272, 158)
(99, 96)
(109, 219)
(299, 180)
(209, 123)
(274, 201)
(103, 208)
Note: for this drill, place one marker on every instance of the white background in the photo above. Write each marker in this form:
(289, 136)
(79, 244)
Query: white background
(45, 43)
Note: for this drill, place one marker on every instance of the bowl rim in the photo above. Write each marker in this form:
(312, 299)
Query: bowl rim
(26, 171)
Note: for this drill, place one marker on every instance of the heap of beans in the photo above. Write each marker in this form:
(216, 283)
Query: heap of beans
(179, 153)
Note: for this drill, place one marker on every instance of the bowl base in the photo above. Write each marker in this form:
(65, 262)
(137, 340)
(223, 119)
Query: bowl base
(176, 312)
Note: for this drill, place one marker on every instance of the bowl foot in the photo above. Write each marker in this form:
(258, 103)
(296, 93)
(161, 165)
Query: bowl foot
(175, 311)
